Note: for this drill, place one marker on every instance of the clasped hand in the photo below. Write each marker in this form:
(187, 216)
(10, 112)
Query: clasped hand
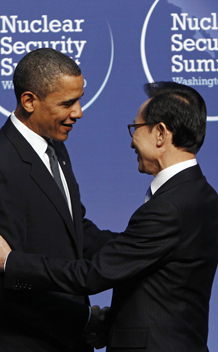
(96, 331)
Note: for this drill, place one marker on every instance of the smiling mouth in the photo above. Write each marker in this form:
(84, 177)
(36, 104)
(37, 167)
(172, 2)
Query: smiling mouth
(67, 126)
(137, 155)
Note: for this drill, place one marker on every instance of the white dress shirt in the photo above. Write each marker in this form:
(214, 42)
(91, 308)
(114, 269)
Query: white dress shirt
(164, 175)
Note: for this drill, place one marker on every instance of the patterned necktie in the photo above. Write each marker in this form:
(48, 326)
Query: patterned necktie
(55, 168)
(148, 195)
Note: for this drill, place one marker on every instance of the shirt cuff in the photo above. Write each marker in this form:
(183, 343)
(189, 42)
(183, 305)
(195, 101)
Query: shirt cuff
(6, 261)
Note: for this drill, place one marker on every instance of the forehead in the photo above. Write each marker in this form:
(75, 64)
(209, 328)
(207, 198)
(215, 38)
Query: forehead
(71, 82)
(70, 87)
(139, 118)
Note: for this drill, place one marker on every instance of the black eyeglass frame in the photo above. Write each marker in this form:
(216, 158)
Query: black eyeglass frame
(136, 125)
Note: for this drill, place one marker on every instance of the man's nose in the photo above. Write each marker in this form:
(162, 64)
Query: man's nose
(76, 111)
(132, 145)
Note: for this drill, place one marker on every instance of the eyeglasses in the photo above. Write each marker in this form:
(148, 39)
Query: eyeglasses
(132, 128)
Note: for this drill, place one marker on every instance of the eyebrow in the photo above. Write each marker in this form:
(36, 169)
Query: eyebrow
(70, 101)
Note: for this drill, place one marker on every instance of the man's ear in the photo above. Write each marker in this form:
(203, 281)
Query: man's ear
(161, 133)
(28, 101)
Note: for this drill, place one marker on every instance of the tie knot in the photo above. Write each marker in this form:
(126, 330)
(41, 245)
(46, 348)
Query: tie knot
(50, 151)
(148, 194)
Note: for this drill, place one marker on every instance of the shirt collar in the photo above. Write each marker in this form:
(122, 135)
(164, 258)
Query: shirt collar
(37, 142)
(164, 175)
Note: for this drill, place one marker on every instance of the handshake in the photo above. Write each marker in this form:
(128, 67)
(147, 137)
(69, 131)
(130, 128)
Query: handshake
(96, 330)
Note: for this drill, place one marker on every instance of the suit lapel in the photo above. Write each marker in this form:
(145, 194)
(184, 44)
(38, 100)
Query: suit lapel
(39, 173)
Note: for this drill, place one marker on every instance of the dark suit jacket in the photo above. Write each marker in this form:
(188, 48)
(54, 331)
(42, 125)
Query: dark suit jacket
(34, 217)
(162, 268)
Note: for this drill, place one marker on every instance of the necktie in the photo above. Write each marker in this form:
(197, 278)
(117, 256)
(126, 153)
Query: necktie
(55, 168)
(148, 195)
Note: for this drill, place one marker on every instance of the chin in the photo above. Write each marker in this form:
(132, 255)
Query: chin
(141, 170)
(60, 138)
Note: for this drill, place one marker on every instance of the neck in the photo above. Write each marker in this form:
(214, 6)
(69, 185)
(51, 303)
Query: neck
(174, 158)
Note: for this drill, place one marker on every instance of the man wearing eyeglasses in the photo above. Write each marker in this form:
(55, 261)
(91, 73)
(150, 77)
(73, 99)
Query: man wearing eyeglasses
(162, 266)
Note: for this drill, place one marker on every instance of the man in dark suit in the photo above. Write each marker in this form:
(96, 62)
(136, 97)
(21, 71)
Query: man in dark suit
(36, 213)
(162, 266)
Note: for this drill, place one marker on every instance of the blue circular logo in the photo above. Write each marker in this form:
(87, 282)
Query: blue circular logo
(75, 36)
(186, 46)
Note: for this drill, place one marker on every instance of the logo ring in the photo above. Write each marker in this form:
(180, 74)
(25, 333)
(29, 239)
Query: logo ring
(7, 113)
(143, 55)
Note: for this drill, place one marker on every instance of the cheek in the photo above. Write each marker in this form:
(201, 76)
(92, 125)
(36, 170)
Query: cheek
(141, 147)
(136, 141)
(60, 115)
(146, 153)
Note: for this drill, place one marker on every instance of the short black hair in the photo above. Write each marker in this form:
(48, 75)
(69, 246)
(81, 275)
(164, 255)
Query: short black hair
(39, 71)
(183, 111)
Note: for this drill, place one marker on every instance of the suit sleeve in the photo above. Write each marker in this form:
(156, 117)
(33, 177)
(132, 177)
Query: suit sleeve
(148, 243)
